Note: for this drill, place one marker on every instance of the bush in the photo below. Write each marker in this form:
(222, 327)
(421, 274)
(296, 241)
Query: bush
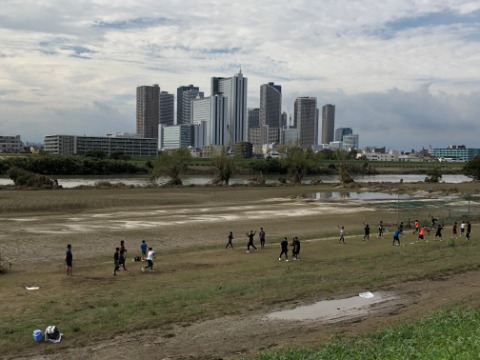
(26, 178)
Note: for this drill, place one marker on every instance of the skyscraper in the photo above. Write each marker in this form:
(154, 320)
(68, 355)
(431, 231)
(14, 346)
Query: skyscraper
(328, 123)
(148, 102)
(185, 96)
(208, 116)
(234, 89)
(305, 119)
(270, 105)
(167, 112)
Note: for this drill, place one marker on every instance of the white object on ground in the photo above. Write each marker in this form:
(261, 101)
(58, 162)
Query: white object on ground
(366, 295)
(32, 287)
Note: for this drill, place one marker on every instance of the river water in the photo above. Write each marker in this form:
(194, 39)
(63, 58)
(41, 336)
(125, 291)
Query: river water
(71, 182)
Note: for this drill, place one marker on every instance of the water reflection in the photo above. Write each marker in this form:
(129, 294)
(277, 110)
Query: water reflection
(70, 182)
(325, 195)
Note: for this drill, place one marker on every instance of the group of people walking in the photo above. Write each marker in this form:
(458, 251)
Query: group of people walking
(261, 236)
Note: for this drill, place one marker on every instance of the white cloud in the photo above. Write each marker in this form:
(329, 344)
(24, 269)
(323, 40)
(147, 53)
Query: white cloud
(374, 60)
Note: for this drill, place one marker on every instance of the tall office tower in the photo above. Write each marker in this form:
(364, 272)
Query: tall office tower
(328, 123)
(185, 96)
(305, 118)
(284, 120)
(208, 115)
(253, 118)
(148, 101)
(167, 112)
(270, 105)
(341, 132)
(234, 89)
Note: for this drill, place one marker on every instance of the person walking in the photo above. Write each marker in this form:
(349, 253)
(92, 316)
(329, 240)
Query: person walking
(261, 235)
(230, 239)
(116, 261)
(150, 257)
(454, 230)
(380, 229)
(342, 235)
(468, 230)
(421, 234)
(462, 228)
(366, 232)
(121, 257)
(284, 249)
(396, 237)
(143, 249)
(400, 227)
(417, 226)
(296, 248)
(438, 232)
(250, 240)
(69, 259)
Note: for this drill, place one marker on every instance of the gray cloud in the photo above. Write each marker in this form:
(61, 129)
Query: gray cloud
(402, 74)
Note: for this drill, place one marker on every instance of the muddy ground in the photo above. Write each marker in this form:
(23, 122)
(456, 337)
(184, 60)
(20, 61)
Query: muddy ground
(230, 337)
(94, 222)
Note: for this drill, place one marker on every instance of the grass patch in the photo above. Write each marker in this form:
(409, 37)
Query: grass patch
(443, 335)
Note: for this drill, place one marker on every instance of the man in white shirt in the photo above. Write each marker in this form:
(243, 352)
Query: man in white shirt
(150, 257)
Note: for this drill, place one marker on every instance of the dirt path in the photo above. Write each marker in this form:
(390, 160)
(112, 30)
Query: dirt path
(229, 337)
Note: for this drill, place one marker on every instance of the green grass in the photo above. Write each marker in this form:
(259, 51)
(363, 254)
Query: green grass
(442, 335)
(203, 284)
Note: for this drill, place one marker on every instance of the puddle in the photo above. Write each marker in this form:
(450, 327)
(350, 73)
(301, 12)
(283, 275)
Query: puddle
(339, 310)
(357, 195)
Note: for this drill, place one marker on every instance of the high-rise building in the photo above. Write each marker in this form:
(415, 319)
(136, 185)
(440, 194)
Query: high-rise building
(185, 96)
(341, 132)
(208, 116)
(234, 89)
(167, 112)
(253, 118)
(270, 105)
(305, 119)
(148, 102)
(328, 123)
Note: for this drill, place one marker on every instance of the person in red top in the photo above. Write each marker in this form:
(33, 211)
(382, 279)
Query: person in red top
(417, 226)
(421, 234)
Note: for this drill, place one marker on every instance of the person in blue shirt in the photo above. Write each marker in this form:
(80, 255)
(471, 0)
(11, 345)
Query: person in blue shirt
(396, 237)
(143, 248)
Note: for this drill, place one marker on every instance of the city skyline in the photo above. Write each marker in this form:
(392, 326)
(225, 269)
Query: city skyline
(402, 74)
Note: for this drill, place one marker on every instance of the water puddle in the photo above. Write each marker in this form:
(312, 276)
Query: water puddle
(332, 311)
(324, 195)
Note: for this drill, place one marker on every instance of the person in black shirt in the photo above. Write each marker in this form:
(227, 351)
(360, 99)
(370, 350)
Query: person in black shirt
(250, 240)
(469, 230)
(366, 231)
(230, 238)
(69, 259)
(116, 261)
(284, 247)
(261, 235)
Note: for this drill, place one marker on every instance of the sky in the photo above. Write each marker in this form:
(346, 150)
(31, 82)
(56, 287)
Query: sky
(404, 74)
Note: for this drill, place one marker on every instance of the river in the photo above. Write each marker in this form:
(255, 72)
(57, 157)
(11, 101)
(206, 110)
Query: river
(71, 182)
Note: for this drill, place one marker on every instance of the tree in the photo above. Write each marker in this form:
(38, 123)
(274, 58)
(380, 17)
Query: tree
(225, 167)
(298, 162)
(472, 168)
(434, 175)
(171, 164)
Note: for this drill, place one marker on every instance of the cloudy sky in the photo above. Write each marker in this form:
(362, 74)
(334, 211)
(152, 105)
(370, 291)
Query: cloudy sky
(402, 73)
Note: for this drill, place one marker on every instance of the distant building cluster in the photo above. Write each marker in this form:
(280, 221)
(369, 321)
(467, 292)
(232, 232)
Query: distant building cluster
(222, 119)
